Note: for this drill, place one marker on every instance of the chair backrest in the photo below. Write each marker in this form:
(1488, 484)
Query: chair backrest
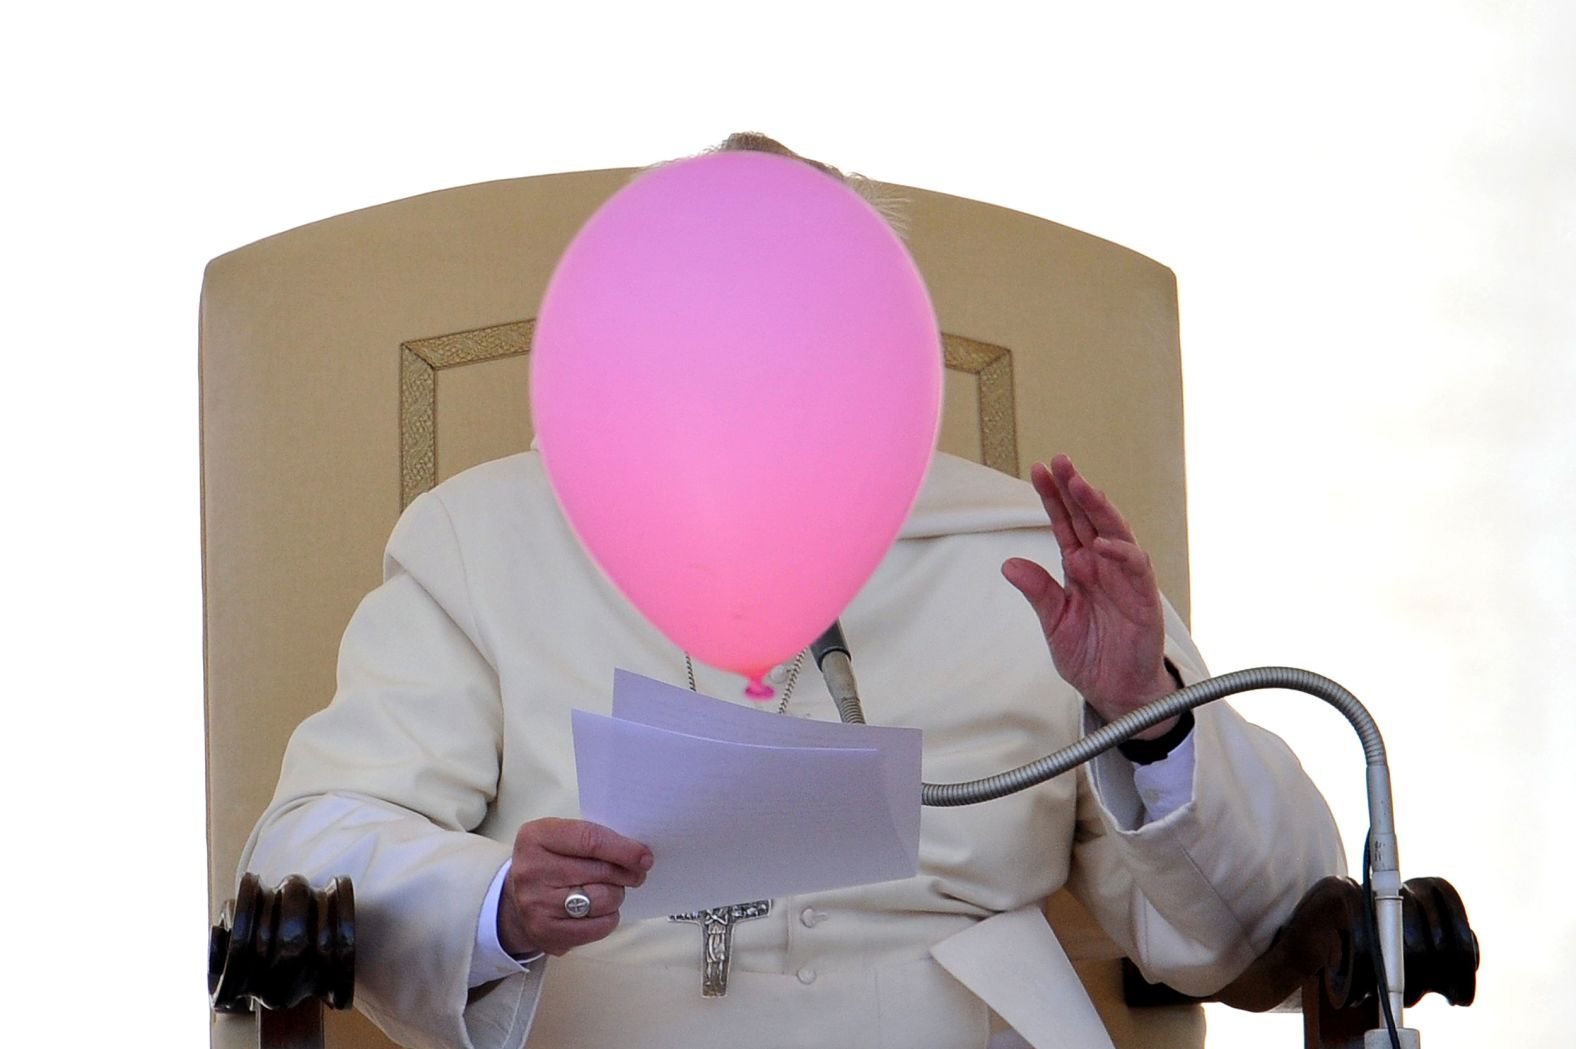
(352, 363)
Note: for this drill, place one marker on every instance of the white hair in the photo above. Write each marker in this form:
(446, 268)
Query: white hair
(888, 203)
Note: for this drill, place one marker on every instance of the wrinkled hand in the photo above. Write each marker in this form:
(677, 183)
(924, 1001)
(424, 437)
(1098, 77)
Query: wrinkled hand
(1104, 624)
(552, 858)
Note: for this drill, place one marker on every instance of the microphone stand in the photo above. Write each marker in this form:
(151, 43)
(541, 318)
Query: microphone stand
(1383, 864)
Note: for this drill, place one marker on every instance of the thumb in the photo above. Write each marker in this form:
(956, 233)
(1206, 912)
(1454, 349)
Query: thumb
(1044, 594)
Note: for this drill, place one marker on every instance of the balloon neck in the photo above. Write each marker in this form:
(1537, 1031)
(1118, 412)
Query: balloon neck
(758, 689)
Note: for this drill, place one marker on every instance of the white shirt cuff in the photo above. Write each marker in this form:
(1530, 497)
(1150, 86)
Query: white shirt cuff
(489, 961)
(1166, 785)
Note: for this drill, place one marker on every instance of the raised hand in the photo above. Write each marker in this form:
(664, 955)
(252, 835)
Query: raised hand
(553, 858)
(1104, 624)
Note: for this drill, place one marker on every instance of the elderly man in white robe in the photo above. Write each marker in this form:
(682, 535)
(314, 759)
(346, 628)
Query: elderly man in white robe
(441, 779)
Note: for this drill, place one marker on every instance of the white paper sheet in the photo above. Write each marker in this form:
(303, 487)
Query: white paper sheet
(739, 804)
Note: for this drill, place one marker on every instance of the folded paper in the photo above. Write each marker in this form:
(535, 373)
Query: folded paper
(741, 804)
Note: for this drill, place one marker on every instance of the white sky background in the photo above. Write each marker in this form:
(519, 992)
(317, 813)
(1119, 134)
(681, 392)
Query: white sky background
(1371, 209)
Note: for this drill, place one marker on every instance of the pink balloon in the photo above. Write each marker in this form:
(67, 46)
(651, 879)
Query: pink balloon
(736, 388)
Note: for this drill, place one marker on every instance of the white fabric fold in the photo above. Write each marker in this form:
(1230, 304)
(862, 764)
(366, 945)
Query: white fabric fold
(1014, 964)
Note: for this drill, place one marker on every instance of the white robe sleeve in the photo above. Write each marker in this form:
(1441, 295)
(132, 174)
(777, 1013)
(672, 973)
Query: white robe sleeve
(1197, 895)
(386, 785)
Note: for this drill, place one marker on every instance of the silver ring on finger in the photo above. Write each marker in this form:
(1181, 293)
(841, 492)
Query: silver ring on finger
(577, 904)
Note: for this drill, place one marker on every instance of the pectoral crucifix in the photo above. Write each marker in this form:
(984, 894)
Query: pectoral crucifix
(717, 925)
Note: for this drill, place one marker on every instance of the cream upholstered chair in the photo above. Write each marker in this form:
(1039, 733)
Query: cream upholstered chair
(352, 363)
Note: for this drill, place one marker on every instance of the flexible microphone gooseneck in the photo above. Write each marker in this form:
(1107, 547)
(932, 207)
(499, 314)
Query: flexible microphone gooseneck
(831, 655)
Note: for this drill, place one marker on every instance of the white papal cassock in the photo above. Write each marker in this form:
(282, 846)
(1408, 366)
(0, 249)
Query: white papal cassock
(451, 727)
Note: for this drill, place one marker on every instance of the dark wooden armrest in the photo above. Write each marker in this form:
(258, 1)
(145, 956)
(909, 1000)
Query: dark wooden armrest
(290, 950)
(1324, 953)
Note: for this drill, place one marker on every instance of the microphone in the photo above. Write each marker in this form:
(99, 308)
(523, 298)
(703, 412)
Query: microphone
(1379, 861)
(1380, 865)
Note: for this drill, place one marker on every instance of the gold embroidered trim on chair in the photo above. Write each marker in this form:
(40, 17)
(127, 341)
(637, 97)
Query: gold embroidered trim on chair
(991, 367)
(422, 359)
(420, 362)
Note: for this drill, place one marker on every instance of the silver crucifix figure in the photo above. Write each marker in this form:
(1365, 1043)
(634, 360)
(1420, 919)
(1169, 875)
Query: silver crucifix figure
(717, 925)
